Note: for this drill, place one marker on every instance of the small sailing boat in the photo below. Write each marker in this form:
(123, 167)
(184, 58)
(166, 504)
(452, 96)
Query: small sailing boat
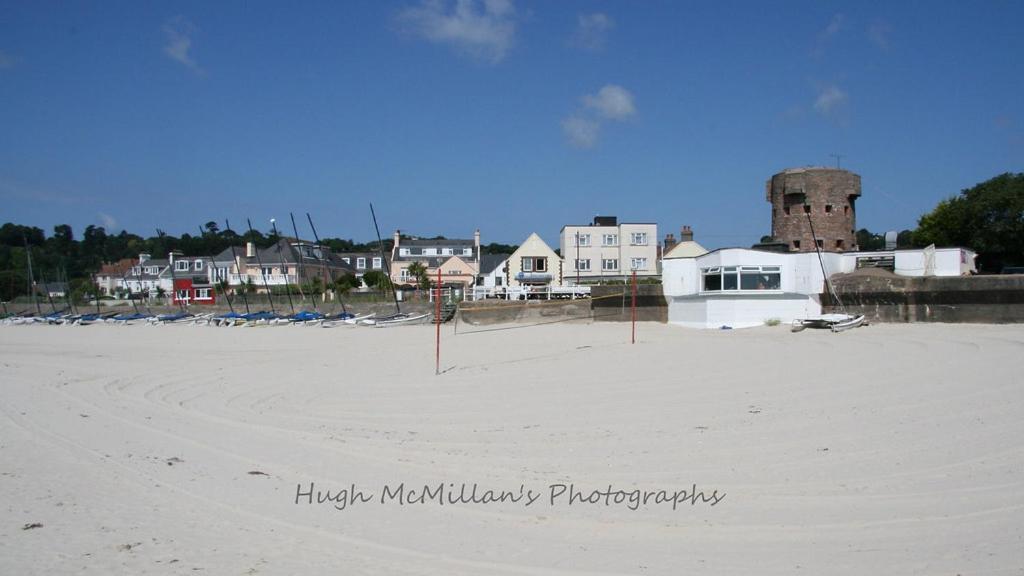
(837, 322)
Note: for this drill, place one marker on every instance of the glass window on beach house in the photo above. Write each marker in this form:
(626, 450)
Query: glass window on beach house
(527, 265)
(743, 278)
(360, 263)
(180, 265)
(202, 293)
(198, 265)
(610, 240)
(182, 295)
(467, 251)
(267, 271)
(376, 263)
(638, 263)
(583, 265)
(610, 264)
(638, 238)
(583, 239)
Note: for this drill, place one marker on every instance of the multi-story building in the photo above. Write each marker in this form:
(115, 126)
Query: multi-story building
(288, 262)
(458, 259)
(608, 250)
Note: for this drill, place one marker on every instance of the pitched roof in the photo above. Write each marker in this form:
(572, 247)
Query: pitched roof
(490, 262)
(687, 249)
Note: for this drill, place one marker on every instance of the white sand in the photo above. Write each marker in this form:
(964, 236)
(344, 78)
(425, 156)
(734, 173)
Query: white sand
(891, 449)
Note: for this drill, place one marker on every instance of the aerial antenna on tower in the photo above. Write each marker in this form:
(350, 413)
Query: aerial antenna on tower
(839, 158)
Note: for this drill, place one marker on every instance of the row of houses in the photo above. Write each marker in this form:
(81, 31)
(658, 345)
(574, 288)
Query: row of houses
(601, 251)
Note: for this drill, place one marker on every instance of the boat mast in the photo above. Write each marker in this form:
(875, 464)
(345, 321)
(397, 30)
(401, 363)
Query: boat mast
(821, 261)
(234, 261)
(323, 261)
(300, 268)
(387, 265)
(31, 277)
(287, 288)
(259, 261)
(213, 267)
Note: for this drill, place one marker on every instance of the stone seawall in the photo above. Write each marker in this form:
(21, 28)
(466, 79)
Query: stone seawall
(886, 297)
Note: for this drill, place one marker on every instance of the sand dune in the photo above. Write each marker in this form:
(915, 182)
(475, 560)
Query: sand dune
(895, 449)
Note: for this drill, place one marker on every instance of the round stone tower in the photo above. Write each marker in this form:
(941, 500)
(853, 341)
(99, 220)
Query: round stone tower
(827, 196)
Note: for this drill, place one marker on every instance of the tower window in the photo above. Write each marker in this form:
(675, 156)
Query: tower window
(828, 208)
(839, 243)
(786, 210)
(846, 210)
(807, 208)
(796, 244)
(820, 243)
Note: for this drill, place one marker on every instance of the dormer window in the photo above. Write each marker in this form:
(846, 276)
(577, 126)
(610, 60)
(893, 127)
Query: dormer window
(199, 265)
(180, 265)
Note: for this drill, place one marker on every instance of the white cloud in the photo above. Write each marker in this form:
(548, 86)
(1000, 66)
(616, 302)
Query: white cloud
(878, 34)
(592, 30)
(484, 29)
(178, 32)
(581, 132)
(835, 25)
(6, 60)
(107, 221)
(829, 99)
(611, 102)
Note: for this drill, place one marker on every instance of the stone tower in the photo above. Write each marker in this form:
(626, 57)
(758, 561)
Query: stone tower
(827, 195)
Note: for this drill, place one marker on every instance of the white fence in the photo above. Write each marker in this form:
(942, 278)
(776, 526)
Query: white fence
(529, 292)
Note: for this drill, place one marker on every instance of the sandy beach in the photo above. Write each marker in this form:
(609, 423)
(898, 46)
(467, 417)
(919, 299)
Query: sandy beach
(891, 449)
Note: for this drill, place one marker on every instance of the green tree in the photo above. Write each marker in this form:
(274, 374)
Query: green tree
(346, 282)
(418, 271)
(377, 279)
(988, 218)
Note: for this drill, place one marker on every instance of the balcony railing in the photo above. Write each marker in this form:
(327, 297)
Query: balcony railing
(257, 279)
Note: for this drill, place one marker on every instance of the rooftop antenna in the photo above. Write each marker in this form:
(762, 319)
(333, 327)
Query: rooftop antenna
(839, 158)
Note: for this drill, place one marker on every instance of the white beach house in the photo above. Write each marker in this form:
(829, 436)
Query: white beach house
(741, 288)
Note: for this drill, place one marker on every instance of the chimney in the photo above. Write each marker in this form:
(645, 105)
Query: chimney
(686, 234)
(143, 257)
(476, 242)
(250, 249)
(670, 241)
(398, 238)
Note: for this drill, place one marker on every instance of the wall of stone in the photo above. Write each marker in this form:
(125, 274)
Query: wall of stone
(612, 303)
(831, 194)
(891, 298)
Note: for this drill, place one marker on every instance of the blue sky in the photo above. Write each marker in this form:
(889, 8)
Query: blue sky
(511, 116)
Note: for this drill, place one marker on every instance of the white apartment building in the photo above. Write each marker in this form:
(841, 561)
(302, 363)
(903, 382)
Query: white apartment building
(608, 250)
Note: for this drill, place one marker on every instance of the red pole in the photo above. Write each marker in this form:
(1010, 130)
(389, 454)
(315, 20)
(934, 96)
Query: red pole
(437, 320)
(633, 307)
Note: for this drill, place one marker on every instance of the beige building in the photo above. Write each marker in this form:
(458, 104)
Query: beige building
(608, 250)
(534, 264)
(458, 259)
